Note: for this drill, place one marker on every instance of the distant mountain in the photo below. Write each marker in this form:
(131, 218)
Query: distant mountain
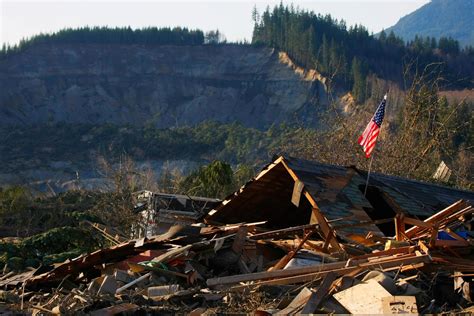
(439, 18)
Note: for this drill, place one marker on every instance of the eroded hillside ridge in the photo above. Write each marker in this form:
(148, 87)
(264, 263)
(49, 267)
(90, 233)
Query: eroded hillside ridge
(165, 86)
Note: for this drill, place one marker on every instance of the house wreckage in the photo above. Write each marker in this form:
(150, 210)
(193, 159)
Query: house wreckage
(301, 237)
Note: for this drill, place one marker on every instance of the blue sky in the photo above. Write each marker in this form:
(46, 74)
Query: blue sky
(21, 19)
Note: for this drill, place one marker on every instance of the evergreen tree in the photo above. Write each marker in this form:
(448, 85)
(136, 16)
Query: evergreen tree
(359, 80)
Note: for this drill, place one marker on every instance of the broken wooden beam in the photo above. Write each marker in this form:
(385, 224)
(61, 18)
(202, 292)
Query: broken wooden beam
(308, 273)
(399, 227)
(295, 306)
(282, 232)
(453, 208)
(284, 261)
(128, 285)
(317, 297)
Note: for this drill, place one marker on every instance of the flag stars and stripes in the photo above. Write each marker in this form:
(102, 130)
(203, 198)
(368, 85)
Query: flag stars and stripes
(369, 136)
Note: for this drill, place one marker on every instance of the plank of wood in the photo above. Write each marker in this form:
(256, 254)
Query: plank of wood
(277, 274)
(172, 254)
(443, 223)
(417, 222)
(317, 297)
(399, 227)
(296, 303)
(284, 261)
(434, 235)
(454, 235)
(228, 228)
(423, 247)
(437, 217)
(128, 285)
(408, 267)
(312, 277)
(328, 232)
(289, 276)
(389, 252)
(297, 189)
(282, 232)
(328, 240)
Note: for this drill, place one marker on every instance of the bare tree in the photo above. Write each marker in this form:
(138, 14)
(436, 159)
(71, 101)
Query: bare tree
(116, 207)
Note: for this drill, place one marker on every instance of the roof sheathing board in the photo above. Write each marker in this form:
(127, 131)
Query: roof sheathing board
(419, 198)
(332, 189)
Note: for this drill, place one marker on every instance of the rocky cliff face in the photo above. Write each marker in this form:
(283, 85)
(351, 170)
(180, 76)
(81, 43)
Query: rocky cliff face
(161, 85)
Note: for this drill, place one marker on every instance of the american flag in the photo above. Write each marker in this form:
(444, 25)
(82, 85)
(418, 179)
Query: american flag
(369, 136)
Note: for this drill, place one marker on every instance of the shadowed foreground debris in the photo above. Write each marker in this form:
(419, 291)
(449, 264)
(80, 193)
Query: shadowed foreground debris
(304, 261)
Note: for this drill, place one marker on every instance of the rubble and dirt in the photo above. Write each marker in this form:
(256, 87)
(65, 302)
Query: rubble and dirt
(297, 239)
(245, 267)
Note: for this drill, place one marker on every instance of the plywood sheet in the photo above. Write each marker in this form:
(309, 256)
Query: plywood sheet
(364, 298)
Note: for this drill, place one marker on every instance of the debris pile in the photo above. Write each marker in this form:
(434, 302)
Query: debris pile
(300, 237)
(246, 267)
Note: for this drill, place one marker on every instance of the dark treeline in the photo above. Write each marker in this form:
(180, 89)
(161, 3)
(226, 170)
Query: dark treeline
(348, 55)
(106, 35)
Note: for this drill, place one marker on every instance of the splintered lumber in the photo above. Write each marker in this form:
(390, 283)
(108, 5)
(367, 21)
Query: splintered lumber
(328, 232)
(297, 303)
(417, 222)
(110, 255)
(172, 254)
(128, 285)
(453, 208)
(308, 273)
(109, 233)
(389, 252)
(284, 261)
(456, 237)
(317, 297)
(311, 277)
(282, 232)
(275, 274)
(444, 223)
(228, 228)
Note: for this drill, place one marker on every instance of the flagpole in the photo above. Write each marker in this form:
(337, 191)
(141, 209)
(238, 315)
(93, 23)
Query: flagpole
(372, 156)
(368, 175)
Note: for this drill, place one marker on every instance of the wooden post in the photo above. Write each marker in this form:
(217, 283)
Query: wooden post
(400, 227)
(434, 236)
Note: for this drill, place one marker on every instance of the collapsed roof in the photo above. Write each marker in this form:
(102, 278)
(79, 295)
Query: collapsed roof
(290, 192)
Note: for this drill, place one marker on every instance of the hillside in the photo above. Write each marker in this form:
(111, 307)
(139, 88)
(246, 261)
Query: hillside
(439, 18)
(174, 102)
(161, 85)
